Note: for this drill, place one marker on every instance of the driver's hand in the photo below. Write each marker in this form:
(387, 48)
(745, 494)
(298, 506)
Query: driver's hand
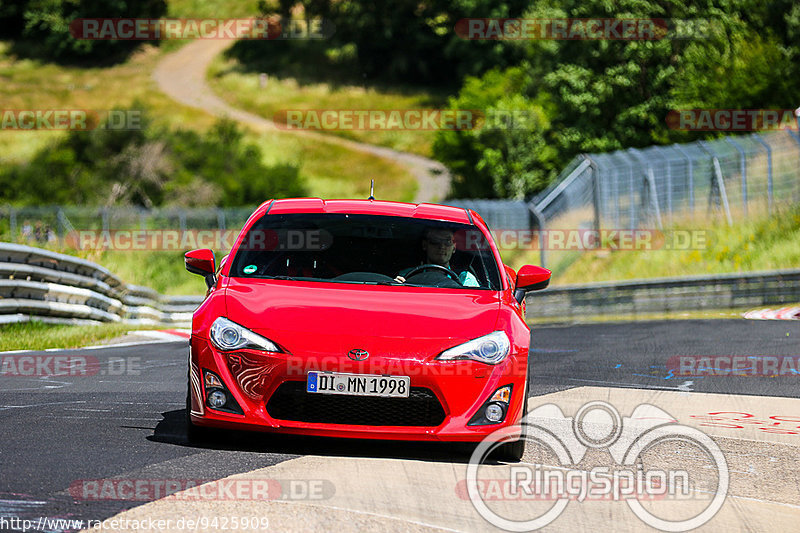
(400, 279)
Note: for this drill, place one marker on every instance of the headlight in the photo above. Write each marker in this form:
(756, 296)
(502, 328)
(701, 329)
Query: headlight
(227, 336)
(490, 349)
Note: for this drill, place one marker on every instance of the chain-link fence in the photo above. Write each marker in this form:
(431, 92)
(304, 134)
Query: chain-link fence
(629, 189)
(52, 224)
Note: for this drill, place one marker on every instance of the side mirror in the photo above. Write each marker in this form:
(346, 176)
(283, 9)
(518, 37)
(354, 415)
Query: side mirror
(531, 278)
(202, 262)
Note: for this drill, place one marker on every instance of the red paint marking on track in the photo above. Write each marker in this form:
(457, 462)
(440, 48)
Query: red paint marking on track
(183, 334)
(784, 313)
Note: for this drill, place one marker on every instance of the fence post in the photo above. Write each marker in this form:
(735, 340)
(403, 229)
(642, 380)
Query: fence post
(654, 195)
(540, 221)
(717, 181)
(595, 191)
(768, 148)
(62, 225)
(632, 209)
(723, 194)
(691, 174)
(668, 175)
(221, 219)
(794, 136)
(12, 222)
(649, 177)
(742, 170)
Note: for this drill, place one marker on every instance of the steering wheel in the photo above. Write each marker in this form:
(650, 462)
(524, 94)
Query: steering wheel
(432, 266)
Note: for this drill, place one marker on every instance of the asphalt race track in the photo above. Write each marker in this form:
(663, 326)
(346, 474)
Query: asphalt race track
(123, 421)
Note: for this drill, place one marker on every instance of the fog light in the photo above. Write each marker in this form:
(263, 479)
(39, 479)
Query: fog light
(494, 412)
(217, 399)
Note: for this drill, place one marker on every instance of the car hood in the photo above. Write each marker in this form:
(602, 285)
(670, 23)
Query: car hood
(333, 318)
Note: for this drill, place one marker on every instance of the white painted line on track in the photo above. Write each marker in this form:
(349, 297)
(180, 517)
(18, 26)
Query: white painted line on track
(159, 337)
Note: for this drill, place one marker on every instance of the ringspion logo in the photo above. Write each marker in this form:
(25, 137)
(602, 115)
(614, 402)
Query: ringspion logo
(597, 425)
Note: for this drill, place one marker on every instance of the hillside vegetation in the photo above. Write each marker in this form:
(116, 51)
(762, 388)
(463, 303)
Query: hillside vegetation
(762, 242)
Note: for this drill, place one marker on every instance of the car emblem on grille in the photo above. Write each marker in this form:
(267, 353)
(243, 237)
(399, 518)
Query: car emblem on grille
(357, 354)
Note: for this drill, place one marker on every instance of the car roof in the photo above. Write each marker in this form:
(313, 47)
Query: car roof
(370, 207)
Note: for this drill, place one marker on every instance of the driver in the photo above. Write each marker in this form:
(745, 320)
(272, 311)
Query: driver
(438, 246)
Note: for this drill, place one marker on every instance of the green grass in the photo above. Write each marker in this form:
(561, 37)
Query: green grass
(330, 171)
(212, 8)
(759, 242)
(39, 336)
(232, 82)
(707, 314)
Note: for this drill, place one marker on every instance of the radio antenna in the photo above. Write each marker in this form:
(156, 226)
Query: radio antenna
(371, 190)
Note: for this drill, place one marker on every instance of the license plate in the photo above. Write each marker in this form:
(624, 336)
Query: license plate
(358, 384)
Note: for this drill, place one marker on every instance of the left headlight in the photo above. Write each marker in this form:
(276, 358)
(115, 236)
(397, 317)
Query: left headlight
(227, 335)
(490, 349)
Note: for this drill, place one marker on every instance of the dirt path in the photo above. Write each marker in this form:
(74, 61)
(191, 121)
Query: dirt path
(182, 76)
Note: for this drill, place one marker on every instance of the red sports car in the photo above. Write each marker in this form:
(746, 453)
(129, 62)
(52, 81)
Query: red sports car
(361, 318)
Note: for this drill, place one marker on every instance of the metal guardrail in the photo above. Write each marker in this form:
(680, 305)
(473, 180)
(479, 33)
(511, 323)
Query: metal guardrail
(721, 291)
(54, 287)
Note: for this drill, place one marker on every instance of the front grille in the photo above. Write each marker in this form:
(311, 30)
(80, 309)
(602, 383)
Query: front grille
(291, 402)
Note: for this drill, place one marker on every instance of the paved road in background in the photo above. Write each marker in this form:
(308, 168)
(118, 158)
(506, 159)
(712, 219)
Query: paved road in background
(182, 76)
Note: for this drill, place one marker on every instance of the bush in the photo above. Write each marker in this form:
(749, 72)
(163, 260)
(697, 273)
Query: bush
(42, 27)
(151, 167)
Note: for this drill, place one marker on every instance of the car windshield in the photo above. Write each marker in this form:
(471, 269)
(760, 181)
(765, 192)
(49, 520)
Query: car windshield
(367, 249)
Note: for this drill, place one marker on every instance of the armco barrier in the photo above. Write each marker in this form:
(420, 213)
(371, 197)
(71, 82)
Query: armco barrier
(54, 287)
(721, 291)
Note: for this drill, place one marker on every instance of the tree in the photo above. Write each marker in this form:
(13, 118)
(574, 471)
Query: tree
(602, 95)
(42, 27)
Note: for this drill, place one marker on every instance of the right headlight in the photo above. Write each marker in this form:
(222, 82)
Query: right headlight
(227, 335)
(490, 349)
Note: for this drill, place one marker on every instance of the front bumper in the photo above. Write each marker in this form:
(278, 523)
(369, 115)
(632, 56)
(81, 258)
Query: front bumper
(270, 389)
